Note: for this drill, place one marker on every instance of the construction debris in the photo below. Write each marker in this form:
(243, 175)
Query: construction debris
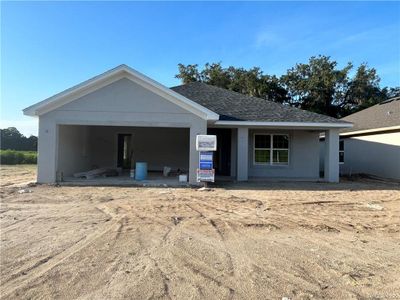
(104, 172)
(374, 206)
(206, 189)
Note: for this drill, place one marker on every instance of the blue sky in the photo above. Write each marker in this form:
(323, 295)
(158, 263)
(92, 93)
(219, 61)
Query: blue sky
(47, 47)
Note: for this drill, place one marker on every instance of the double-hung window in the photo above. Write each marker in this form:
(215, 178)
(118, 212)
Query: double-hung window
(271, 149)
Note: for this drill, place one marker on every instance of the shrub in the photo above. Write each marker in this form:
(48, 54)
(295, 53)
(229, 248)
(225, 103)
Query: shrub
(13, 157)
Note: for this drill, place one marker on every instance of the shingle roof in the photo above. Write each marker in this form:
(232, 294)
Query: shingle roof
(385, 114)
(234, 106)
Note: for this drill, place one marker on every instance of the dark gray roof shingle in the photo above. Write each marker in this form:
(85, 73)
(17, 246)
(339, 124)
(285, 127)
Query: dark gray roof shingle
(234, 106)
(385, 114)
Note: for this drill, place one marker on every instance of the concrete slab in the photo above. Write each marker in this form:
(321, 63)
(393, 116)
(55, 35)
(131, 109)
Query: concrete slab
(153, 180)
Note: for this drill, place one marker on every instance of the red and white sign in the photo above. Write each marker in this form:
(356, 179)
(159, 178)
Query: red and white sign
(205, 175)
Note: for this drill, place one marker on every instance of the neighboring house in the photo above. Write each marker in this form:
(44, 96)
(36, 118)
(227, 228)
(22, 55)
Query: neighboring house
(372, 146)
(121, 113)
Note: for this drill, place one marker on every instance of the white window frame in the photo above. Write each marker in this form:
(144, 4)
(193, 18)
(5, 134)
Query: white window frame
(271, 149)
(341, 151)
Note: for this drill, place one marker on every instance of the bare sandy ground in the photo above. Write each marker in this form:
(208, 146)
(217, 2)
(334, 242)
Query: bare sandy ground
(259, 241)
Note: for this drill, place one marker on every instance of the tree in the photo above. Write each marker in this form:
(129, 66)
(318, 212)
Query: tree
(12, 139)
(317, 86)
(215, 74)
(391, 92)
(188, 73)
(363, 90)
(251, 82)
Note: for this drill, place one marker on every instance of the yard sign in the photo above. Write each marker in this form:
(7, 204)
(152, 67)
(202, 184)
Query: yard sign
(206, 144)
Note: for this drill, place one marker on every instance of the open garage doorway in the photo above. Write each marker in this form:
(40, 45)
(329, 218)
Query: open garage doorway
(85, 148)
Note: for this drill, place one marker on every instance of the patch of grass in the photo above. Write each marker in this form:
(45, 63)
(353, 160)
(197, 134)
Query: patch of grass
(14, 157)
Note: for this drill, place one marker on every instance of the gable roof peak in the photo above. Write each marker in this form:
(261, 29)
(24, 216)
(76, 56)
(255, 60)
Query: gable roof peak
(110, 76)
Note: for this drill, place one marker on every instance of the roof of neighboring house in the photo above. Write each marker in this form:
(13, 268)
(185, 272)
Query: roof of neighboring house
(233, 106)
(383, 115)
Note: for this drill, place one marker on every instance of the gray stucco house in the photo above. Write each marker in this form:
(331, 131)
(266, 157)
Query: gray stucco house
(372, 146)
(89, 124)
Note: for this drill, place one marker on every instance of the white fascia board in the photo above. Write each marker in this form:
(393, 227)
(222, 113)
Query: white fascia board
(374, 130)
(284, 124)
(111, 76)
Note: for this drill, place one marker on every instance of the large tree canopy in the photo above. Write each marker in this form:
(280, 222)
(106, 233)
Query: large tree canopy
(319, 85)
(251, 82)
(12, 139)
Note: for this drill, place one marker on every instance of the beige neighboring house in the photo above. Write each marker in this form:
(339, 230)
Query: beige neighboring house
(372, 146)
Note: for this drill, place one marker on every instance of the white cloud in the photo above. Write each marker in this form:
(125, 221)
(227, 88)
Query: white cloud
(26, 127)
(267, 38)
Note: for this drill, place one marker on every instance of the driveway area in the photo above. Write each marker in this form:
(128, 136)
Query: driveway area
(236, 241)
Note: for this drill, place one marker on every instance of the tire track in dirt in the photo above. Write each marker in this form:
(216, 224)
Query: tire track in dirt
(231, 266)
(149, 252)
(44, 265)
(212, 279)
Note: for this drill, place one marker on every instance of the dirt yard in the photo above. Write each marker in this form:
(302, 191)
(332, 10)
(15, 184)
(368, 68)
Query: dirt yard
(247, 241)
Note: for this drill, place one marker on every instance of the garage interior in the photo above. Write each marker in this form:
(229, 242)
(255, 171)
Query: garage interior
(82, 148)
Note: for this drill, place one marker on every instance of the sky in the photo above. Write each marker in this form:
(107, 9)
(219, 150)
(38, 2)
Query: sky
(47, 47)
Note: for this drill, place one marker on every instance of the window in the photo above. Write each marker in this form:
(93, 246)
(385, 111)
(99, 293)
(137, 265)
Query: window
(271, 149)
(341, 152)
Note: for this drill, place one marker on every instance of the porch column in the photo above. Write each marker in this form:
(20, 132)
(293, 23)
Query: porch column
(331, 162)
(47, 151)
(242, 153)
(196, 128)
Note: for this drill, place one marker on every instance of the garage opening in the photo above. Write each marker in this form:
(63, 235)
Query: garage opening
(117, 149)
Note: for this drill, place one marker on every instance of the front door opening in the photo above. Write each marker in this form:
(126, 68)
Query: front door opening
(222, 157)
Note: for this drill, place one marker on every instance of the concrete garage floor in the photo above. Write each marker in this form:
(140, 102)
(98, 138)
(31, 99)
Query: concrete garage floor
(154, 179)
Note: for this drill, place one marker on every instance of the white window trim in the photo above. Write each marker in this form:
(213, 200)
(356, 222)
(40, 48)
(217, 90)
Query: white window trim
(271, 158)
(341, 162)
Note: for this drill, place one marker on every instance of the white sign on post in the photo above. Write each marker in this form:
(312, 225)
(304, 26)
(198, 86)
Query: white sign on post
(206, 143)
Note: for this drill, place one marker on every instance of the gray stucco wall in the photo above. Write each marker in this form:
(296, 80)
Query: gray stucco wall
(303, 156)
(158, 147)
(74, 155)
(122, 103)
(377, 154)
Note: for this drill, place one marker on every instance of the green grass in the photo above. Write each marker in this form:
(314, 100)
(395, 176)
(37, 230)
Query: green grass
(13, 157)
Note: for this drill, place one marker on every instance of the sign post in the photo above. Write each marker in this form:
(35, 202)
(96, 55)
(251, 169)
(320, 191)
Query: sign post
(206, 144)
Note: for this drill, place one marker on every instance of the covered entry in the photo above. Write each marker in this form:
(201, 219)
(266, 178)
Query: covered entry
(222, 157)
(82, 148)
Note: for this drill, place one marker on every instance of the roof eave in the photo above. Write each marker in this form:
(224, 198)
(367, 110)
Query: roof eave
(372, 130)
(310, 125)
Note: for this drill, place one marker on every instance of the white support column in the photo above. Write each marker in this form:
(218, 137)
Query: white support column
(196, 128)
(47, 151)
(233, 152)
(242, 153)
(331, 163)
